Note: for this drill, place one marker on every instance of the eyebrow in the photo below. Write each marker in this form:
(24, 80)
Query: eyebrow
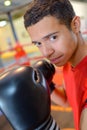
(46, 36)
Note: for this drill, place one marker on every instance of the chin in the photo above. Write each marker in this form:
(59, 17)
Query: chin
(60, 64)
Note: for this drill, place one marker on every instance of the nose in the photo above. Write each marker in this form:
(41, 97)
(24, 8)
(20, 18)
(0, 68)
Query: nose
(47, 50)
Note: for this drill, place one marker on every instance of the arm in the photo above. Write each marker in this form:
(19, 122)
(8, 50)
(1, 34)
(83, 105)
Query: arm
(83, 119)
(83, 116)
(59, 97)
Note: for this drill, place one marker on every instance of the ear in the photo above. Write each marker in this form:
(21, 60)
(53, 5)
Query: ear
(75, 24)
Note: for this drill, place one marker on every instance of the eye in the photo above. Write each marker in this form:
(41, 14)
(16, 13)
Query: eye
(37, 43)
(53, 37)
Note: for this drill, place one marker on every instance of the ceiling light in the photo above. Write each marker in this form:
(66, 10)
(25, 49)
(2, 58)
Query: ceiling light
(3, 23)
(7, 2)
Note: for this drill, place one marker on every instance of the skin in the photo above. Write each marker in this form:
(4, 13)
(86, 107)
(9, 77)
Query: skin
(83, 120)
(60, 45)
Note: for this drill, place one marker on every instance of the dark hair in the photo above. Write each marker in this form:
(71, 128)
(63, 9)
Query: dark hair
(38, 9)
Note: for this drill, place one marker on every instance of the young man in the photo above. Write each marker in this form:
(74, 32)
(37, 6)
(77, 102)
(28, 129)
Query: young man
(55, 29)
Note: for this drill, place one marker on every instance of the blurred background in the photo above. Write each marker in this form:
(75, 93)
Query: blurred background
(16, 49)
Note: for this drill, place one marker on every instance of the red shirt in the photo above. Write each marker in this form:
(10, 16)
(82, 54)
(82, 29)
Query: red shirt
(76, 88)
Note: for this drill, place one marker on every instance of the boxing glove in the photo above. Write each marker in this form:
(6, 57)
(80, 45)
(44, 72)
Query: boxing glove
(48, 71)
(25, 99)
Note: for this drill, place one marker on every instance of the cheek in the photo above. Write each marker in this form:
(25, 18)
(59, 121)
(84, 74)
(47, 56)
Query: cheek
(60, 45)
(65, 45)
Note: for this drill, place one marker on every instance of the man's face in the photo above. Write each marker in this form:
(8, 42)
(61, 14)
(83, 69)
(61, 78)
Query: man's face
(55, 41)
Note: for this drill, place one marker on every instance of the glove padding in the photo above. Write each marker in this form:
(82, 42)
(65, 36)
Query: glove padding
(48, 71)
(24, 98)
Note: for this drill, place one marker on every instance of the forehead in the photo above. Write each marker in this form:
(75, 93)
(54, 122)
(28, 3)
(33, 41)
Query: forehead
(45, 26)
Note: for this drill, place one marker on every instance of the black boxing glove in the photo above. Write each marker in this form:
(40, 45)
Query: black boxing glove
(48, 71)
(25, 99)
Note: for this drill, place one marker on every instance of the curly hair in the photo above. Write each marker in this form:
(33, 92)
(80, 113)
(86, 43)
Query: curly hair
(60, 9)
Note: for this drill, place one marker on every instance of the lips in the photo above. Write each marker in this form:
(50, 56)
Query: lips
(57, 59)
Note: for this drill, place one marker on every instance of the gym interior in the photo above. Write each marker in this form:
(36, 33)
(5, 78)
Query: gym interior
(16, 49)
